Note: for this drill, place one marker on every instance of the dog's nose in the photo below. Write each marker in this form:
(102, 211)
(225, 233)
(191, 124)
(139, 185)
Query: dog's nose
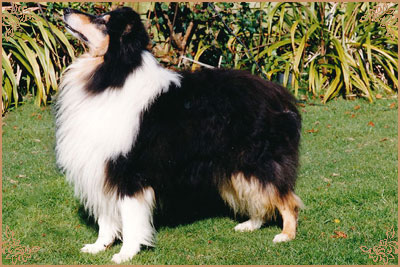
(67, 11)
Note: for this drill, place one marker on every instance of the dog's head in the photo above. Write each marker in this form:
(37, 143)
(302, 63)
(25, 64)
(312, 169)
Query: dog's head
(118, 33)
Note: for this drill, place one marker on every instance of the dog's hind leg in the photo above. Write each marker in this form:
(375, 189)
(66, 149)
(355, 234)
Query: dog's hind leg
(248, 196)
(108, 230)
(137, 226)
(288, 206)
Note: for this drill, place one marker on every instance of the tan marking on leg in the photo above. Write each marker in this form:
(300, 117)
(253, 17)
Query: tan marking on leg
(249, 197)
(289, 207)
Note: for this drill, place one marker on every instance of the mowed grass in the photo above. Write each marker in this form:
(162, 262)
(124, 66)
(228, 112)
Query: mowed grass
(347, 180)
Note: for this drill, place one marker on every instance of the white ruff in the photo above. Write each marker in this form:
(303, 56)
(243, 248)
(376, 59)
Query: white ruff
(92, 129)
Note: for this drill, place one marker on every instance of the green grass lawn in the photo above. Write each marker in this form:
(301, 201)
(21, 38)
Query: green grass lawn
(347, 180)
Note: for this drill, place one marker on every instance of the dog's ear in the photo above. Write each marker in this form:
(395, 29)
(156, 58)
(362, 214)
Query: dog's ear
(106, 18)
(134, 37)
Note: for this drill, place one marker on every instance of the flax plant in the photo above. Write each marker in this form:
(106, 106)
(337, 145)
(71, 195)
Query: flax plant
(33, 60)
(327, 48)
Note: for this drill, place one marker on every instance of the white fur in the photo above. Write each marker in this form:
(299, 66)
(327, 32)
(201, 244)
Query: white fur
(107, 233)
(92, 129)
(137, 227)
(250, 225)
(281, 238)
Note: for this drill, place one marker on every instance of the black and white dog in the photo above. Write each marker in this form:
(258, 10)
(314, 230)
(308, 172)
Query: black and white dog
(128, 129)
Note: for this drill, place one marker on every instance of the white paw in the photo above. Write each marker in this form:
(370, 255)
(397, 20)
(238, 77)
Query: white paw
(281, 238)
(93, 248)
(248, 226)
(120, 257)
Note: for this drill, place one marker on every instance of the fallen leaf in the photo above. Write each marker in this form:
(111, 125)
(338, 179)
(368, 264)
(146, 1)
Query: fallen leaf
(328, 126)
(383, 139)
(335, 174)
(316, 123)
(209, 241)
(301, 105)
(21, 176)
(371, 124)
(392, 105)
(327, 180)
(38, 116)
(357, 107)
(339, 234)
(378, 96)
(13, 181)
(386, 126)
(312, 130)
(353, 115)
(43, 235)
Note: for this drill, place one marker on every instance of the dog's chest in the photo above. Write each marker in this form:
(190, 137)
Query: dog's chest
(103, 126)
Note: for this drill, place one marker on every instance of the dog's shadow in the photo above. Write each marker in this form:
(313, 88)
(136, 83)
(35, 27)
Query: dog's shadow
(182, 208)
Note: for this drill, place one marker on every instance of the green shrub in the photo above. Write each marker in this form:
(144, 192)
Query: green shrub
(35, 53)
(323, 48)
(33, 59)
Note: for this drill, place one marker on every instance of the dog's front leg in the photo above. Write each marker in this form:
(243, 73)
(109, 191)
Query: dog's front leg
(137, 227)
(108, 230)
